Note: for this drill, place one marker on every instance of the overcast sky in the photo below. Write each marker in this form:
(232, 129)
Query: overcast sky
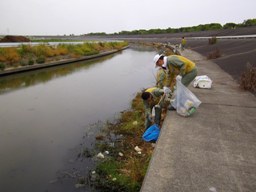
(59, 17)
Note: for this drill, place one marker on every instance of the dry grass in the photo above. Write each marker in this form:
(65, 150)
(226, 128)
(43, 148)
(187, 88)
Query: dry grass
(212, 40)
(132, 166)
(130, 169)
(24, 54)
(214, 54)
(248, 79)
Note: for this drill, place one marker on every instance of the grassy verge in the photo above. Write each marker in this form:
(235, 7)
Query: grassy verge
(12, 57)
(126, 155)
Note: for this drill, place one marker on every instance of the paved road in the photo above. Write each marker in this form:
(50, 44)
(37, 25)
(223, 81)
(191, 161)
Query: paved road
(215, 149)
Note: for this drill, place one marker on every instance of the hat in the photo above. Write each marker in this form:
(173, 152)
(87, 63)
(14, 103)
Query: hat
(156, 58)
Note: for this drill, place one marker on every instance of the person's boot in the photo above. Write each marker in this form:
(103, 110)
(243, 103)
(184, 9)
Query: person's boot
(171, 108)
(158, 112)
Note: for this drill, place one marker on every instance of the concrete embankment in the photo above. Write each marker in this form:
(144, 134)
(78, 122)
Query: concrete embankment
(52, 64)
(213, 150)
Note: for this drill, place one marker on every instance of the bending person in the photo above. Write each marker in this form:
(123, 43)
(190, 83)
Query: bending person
(150, 99)
(187, 68)
(161, 77)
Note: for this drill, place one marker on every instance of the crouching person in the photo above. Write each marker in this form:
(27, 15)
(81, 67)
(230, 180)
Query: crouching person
(153, 97)
(187, 68)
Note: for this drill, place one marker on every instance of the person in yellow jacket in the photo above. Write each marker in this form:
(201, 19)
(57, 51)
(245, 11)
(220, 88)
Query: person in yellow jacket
(150, 98)
(161, 77)
(186, 68)
(183, 43)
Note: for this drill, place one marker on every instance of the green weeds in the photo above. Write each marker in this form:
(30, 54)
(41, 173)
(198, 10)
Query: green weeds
(125, 171)
(27, 54)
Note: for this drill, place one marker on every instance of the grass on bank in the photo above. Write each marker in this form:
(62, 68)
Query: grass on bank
(23, 55)
(124, 172)
(53, 40)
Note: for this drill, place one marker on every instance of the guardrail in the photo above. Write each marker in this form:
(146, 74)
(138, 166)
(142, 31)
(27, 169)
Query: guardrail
(226, 37)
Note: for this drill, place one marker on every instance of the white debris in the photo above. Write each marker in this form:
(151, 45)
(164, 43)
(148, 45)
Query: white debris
(120, 154)
(212, 189)
(137, 149)
(114, 179)
(93, 172)
(203, 82)
(101, 156)
(107, 152)
(135, 123)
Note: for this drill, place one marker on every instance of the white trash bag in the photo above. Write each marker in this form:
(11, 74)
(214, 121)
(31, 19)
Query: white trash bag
(185, 101)
(203, 82)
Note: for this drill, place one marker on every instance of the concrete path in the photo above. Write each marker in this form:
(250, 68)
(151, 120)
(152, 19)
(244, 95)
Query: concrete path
(215, 149)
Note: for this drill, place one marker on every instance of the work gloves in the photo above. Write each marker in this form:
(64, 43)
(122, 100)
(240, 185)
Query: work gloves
(167, 90)
(178, 78)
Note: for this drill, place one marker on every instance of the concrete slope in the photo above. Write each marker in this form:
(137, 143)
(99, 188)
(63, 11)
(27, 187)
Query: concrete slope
(215, 149)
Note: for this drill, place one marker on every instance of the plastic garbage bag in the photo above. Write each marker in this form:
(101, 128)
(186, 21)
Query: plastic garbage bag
(203, 82)
(151, 134)
(185, 101)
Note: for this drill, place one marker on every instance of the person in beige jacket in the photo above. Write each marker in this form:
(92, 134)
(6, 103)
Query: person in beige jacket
(187, 68)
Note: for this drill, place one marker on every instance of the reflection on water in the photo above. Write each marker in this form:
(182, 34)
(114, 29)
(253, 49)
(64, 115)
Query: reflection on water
(13, 82)
(45, 114)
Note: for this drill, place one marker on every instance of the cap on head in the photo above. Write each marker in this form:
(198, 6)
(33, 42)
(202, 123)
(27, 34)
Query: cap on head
(156, 58)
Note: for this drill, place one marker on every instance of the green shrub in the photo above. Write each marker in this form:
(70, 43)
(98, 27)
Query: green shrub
(111, 179)
(2, 66)
(23, 62)
(40, 59)
(31, 61)
(24, 49)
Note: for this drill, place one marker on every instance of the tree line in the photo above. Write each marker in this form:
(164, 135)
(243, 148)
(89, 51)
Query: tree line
(202, 27)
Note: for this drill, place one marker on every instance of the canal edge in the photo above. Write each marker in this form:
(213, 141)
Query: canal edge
(57, 63)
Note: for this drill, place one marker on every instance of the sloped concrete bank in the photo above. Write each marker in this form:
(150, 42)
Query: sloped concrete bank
(52, 64)
(234, 54)
(213, 150)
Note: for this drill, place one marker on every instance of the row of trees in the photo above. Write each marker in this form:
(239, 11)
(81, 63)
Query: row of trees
(205, 27)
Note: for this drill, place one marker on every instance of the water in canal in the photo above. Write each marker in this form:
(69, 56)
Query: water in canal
(45, 115)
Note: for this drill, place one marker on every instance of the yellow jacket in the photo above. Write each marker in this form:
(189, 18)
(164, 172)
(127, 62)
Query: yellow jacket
(181, 63)
(161, 78)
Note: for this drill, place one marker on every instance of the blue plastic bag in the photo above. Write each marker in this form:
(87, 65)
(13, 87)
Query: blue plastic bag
(151, 134)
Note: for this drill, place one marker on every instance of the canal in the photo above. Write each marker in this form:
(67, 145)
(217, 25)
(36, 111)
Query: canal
(47, 115)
